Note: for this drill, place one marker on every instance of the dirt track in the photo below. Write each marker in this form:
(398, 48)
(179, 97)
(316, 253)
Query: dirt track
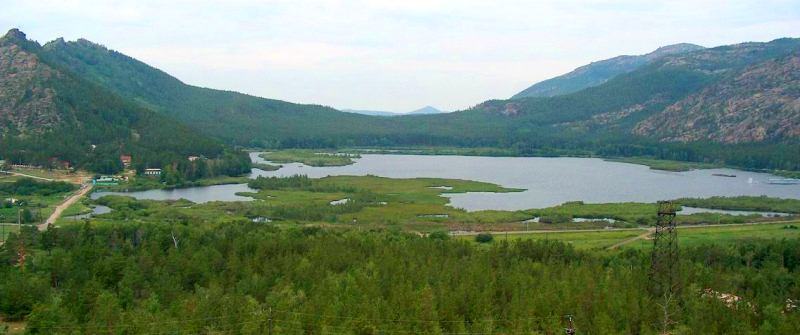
(85, 188)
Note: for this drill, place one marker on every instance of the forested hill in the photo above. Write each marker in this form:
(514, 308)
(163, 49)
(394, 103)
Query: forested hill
(233, 117)
(48, 116)
(732, 104)
(599, 72)
(735, 104)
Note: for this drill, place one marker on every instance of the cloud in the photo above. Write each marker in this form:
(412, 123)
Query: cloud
(392, 55)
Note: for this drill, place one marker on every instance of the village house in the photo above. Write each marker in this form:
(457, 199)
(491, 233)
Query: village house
(57, 163)
(193, 158)
(126, 160)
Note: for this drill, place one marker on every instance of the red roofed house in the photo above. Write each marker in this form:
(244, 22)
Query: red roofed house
(126, 160)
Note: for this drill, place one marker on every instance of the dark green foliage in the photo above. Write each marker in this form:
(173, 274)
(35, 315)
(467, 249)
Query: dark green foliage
(439, 235)
(484, 238)
(298, 182)
(97, 126)
(29, 186)
(132, 278)
(275, 183)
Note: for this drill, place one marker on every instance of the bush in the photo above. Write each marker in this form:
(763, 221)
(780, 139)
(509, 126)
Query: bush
(439, 235)
(484, 238)
(556, 218)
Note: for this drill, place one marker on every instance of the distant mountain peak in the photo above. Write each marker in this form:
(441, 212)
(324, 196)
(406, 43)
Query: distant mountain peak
(673, 49)
(427, 110)
(15, 34)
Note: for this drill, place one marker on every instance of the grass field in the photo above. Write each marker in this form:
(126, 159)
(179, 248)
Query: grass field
(55, 174)
(687, 236)
(6, 229)
(580, 240)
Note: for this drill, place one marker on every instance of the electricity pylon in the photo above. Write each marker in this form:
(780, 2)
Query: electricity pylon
(664, 258)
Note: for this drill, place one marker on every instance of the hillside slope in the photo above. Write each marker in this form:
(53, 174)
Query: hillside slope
(639, 112)
(599, 72)
(233, 117)
(49, 116)
(760, 103)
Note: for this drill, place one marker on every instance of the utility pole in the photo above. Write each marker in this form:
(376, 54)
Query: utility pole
(269, 329)
(570, 330)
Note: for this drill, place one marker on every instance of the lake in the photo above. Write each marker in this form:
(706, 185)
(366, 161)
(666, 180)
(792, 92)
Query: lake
(548, 181)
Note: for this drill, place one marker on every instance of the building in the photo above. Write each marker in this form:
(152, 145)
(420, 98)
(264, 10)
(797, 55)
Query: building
(57, 163)
(152, 172)
(106, 181)
(126, 160)
(193, 158)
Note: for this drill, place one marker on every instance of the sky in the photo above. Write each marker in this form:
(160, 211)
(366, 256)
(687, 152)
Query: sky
(391, 55)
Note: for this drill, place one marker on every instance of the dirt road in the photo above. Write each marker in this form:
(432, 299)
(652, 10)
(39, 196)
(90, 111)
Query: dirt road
(85, 188)
(27, 175)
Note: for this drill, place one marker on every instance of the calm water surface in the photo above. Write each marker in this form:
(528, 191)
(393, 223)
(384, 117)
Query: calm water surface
(548, 181)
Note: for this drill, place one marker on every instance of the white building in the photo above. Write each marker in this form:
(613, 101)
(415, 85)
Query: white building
(152, 172)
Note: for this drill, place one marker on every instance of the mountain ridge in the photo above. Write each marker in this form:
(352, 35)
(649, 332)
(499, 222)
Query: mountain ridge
(49, 116)
(598, 72)
(609, 119)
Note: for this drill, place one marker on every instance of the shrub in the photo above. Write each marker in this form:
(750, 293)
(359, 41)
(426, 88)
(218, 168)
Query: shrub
(439, 235)
(484, 238)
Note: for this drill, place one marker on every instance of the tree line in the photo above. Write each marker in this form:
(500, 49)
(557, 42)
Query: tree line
(129, 278)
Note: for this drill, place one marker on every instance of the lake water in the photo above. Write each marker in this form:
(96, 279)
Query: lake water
(548, 181)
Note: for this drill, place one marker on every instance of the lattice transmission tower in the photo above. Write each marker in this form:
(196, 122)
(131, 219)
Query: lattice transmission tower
(664, 270)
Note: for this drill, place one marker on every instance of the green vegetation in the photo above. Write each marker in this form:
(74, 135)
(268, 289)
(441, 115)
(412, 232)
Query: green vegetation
(582, 240)
(372, 201)
(584, 123)
(323, 264)
(745, 203)
(176, 277)
(87, 126)
(29, 200)
(689, 236)
(6, 229)
(266, 167)
(310, 157)
(29, 186)
(666, 165)
(787, 174)
(484, 238)
(435, 150)
(141, 183)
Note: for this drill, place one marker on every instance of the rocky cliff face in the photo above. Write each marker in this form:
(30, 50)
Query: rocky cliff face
(27, 103)
(759, 103)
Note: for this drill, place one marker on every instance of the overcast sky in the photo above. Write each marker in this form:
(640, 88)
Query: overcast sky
(394, 55)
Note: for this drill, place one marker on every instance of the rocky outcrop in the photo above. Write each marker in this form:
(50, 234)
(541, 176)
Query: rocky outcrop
(27, 103)
(759, 103)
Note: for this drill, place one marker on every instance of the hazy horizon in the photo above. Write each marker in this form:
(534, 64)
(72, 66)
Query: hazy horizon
(387, 56)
